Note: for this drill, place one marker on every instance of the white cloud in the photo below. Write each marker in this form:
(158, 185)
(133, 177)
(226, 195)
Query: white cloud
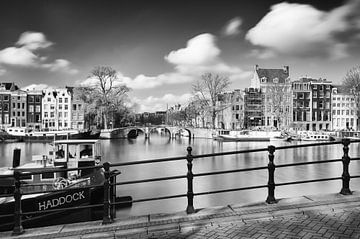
(232, 28)
(60, 65)
(200, 50)
(36, 87)
(302, 30)
(24, 54)
(2, 71)
(33, 41)
(200, 56)
(18, 56)
(152, 104)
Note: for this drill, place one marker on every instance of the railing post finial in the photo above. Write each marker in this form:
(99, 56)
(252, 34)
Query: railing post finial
(345, 190)
(271, 183)
(190, 194)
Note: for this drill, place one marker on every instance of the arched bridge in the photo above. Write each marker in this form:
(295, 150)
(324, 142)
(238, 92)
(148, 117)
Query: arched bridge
(134, 131)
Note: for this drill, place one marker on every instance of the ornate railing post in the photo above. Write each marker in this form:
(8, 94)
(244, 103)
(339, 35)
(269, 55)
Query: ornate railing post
(190, 194)
(18, 228)
(106, 213)
(345, 190)
(271, 183)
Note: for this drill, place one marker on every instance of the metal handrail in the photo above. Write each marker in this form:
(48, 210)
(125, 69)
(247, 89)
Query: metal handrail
(109, 183)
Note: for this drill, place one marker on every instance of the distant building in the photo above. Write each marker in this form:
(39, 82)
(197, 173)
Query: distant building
(321, 104)
(34, 109)
(18, 108)
(344, 111)
(253, 108)
(77, 109)
(64, 105)
(231, 114)
(302, 102)
(49, 112)
(275, 86)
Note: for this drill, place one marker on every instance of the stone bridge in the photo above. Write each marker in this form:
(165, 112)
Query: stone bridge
(134, 131)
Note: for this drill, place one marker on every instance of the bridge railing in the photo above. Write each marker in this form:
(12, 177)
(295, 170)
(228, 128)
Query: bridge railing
(109, 184)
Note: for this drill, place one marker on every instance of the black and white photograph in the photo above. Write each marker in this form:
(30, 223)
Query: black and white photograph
(179, 119)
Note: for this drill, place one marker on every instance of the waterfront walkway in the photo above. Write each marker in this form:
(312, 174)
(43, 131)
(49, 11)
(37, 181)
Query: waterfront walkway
(321, 216)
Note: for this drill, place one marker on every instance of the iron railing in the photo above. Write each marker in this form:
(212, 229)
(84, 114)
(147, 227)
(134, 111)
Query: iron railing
(109, 185)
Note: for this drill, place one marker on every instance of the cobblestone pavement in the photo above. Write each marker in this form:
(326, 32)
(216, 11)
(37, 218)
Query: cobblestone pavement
(326, 216)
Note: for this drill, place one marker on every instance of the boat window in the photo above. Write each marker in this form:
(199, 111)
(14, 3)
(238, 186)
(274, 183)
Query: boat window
(47, 175)
(26, 177)
(60, 153)
(72, 151)
(86, 151)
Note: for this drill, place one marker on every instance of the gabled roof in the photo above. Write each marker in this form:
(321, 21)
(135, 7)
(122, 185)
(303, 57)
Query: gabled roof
(9, 86)
(271, 74)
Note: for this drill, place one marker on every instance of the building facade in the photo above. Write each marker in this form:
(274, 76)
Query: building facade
(18, 108)
(64, 104)
(275, 86)
(321, 104)
(253, 108)
(344, 111)
(302, 102)
(77, 109)
(231, 114)
(34, 110)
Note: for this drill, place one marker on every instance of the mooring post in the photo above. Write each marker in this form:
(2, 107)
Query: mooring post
(271, 183)
(345, 190)
(106, 213)
(18, 228)
(190, 194)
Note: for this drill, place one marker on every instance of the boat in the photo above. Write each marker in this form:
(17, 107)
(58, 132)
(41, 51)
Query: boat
(25, 134)
(244, 135)
(8, 138)
(84, 187)
(316, 136)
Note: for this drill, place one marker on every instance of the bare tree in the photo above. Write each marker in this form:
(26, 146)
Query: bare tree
(207, 91)
(279, 100)
(105, 95)
(351, 83)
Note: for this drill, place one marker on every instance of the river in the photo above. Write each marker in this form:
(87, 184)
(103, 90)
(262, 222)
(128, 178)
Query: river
(123, 150)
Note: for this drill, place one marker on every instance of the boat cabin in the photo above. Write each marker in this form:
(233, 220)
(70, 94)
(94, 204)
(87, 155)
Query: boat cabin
(76, 153)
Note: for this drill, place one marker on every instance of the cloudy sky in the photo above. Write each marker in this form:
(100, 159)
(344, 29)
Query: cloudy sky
(160, 47)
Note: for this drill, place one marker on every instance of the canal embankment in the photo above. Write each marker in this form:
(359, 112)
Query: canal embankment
(314, 216)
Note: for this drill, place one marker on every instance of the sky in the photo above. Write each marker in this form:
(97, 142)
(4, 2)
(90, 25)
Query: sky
(160, 48)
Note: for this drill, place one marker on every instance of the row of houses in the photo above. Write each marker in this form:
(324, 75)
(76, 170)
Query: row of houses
(48, 109)
(274, 101)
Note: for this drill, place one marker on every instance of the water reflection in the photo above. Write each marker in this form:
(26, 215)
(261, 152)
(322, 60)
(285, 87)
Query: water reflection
(161, 146)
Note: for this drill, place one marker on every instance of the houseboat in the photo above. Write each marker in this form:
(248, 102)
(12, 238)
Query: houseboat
(41, 187)
(25, 134)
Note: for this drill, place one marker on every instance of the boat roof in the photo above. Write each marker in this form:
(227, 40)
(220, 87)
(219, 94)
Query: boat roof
(76, 141)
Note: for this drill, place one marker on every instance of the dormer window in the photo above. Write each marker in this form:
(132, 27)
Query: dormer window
(276, 80)
(263, 80)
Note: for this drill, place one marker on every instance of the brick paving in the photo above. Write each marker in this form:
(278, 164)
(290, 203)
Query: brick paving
(326, 216)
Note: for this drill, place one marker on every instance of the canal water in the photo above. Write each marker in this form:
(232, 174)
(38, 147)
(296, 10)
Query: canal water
(125, 150)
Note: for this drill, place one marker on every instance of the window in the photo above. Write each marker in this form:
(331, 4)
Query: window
(18, 105)
(37, 99)
(37, 108)
(52, 107)
(60, 107)
(347, 112)
(352, 112)
(18, 113)
(31, 99)
(74, 107)
(60, 114)
(66, 107)
(65, 114)
(321, 104)
(237, 107)
(23, 105)
(48, 99)
(66, 100)
(334, 112)
(334, 104)
(60, 100)
(315, 94)
(338, 112)
(46, 114)
(14, 105)
(6, 98)
(315, 105)
(23, 114)
(31, 108)
(327, 105)
(52, 114)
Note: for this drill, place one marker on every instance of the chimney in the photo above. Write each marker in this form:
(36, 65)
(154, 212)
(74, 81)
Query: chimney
(286, 69)
(256, 67)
